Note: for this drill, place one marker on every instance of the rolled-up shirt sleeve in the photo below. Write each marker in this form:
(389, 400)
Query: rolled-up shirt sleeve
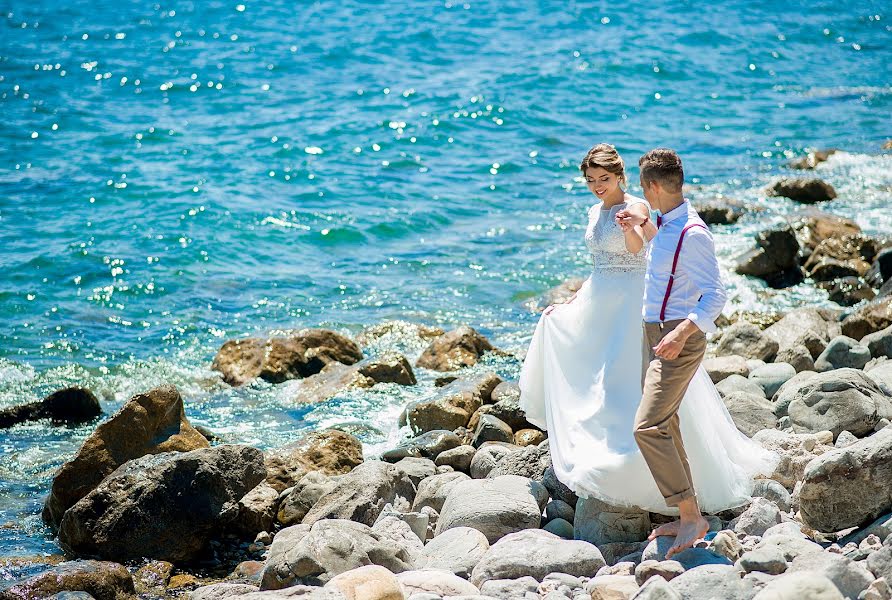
(702, 268)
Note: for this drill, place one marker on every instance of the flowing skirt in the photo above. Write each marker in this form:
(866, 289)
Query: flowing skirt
(581, 381)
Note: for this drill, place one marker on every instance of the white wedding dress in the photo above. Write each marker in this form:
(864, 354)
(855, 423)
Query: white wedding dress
(581, 380)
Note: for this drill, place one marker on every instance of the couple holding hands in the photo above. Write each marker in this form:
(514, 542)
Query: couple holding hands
(615, 375)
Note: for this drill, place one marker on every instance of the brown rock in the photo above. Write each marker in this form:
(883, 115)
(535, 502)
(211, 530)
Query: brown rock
(102, 580)
(153, 577)
(458, 348)
(281, 358)
(813, 159)
(70, 405)
(336, 377)
(806, 191)
(148, 423)
(453, 404)
(870, 318)
(331, 451)
(528, 437)
(814, 226)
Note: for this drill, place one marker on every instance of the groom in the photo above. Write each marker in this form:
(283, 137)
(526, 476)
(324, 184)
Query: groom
(683, 295)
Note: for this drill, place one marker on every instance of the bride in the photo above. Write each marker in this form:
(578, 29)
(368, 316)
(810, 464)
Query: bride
(581, 379)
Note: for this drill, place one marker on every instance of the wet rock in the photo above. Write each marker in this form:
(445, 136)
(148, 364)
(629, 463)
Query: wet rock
(313, 555)
(881, 269)
(153, 577)
(842, 352)
(812, 159)
(427, 445)
(536, 553)
(72, 405)
(101, 580)
(148, 423)
(556, 295)
(452, 406)
(750, 413)
(850, 486)
(136, 512)
(397, 332)
(330, 451)
(806, 191)
(773, 259)
(361, 494)
(849, 577)
(721, 367)
(336, 378)
(721, 212)
(458, 549)
(812, 226)
(278, 359)
(492, 429)
(839, 400)
(495, 507)
(855, 251)
(848, 291)
(746, 340)
(872, 317)
(455, 349)
(599, 523)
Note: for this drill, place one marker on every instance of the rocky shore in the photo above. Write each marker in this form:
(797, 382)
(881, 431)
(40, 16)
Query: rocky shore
(467, 506)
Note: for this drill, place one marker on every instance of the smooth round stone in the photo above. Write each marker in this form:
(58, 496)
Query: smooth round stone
(772, 376)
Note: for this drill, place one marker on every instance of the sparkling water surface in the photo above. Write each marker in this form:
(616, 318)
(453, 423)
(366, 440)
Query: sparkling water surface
(176, 174)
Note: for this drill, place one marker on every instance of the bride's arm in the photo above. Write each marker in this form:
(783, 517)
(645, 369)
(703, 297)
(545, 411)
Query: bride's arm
(637, 227)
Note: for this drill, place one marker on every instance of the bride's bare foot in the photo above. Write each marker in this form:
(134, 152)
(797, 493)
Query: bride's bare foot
(688, 534)
(664, 529)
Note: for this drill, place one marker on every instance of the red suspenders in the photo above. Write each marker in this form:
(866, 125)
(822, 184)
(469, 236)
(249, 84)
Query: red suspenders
(674, 264)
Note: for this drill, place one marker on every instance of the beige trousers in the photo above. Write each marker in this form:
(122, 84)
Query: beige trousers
(664, 383)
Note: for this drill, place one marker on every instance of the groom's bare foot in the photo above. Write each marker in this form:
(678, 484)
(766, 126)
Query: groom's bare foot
(665, 529)
(688, 534)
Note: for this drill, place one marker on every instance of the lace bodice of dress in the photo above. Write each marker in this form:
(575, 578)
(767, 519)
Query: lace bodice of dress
(604, 240)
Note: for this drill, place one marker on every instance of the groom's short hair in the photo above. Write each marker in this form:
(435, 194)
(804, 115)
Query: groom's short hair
(662, 165)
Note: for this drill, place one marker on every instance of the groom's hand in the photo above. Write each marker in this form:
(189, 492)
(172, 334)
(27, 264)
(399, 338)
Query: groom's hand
(628, 219)
(673, 343)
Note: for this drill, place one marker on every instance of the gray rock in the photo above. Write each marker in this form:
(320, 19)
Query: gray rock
(657, 588)
(222, 591)
(560, 527)
(790, 390)
(427, 445)
(882, 528)
(495, 507)
(620, 568)
(612, 586)
(849, 486)
(726, 543)
(713, 581)
(557, 489)
(841, 400)
(689, 559)
(335, 378)
(536, 553)
(721, 367)
(881, 373)
(849, 577)
(257, 509)
(795, 450)
(492, 429)
(558, 509)
(800, 586)
(312, 555)
(433, 490)
(307, 492)
(739, 383)
(401, 532)
(880, 562)
(746, 340)
(458, 549)
(529, 462)
(416, 469)
(511, 588)
(432, 580)
(487, 456)
(787, 528)
(772, 376)
(844, 439)
(750, 413)
(773, 491)
(666, 569)
(458, 458)
(880, 342)
(600, 523)
(135, 512)
(798, 356)
(790, 545)
(766, 560)
(813, 328)
(842, 352)
(758, 517)
(361, 494)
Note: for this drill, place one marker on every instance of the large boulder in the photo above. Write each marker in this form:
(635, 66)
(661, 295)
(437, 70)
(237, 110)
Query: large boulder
(774, 259)
(772, 376)
(600, 523)
(455, 349)
(71, 405)
(790, 390)
(330, 451)
(872, 317)
(713, 581)
(166, 506)
(257, 510)
(529, 462)
(750, 413)
(100, 580)
(369, 582)
(335, 377)
(725, 211)
(427, 445)
(148, 423)
(313, 555)
(849, 577)
(452, 405)
(279, 359)
(850, 486)
(813, 226)
(811, 327)
(746, 340)
(303, 496)
(806, 191)
(361, 494)
(853, 253)
(842, 352)
(721, 367)
(837, 401)
(879, 343)
(458, 549)
(495, 507)
(799, 586)
(434, 490)
(536, 553)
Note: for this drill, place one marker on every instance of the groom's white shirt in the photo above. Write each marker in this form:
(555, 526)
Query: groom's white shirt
(697, 293)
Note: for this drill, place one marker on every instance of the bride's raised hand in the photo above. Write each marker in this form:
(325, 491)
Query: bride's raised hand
(628, 219)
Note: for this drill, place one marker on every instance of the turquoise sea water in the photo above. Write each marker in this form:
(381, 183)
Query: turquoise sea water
(175, 174)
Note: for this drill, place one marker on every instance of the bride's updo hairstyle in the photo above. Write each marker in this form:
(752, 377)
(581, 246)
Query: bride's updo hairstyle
(606, 157)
